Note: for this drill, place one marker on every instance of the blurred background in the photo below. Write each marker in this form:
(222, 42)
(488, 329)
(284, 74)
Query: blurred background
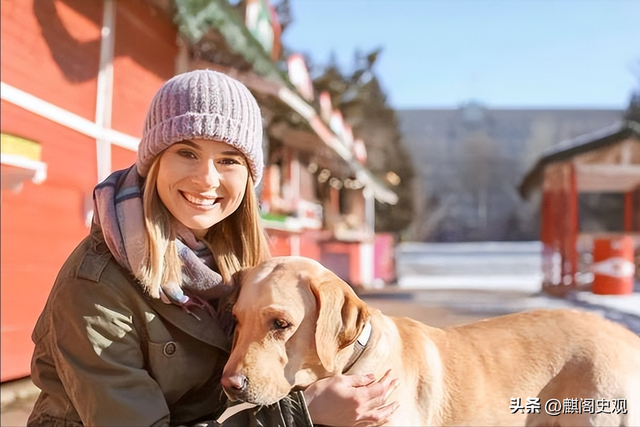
(450, 159)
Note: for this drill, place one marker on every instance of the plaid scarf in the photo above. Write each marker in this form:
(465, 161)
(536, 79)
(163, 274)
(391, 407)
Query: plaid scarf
(118, 212)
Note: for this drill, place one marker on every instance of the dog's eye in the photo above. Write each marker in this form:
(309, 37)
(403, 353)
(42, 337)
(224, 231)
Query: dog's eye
(280, 324)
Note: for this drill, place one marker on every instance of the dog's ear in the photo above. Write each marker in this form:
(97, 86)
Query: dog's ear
(236, 278)
(236, 283)
(341, 317)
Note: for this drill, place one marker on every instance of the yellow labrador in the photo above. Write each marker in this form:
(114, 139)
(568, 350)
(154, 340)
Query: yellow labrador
(298, 322)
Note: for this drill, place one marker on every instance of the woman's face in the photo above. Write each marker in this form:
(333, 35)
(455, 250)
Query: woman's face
(201, 182)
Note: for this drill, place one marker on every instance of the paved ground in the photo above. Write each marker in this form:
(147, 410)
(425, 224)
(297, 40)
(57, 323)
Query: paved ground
(17, 400)
(492, 278)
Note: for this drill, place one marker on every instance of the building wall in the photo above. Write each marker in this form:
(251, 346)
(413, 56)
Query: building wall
(51, 50)
(145, 53)
(470, 160)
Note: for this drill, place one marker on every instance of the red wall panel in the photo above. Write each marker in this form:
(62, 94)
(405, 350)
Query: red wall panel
(121, 158)
(279, 242)
(145, 53)
(51, 50)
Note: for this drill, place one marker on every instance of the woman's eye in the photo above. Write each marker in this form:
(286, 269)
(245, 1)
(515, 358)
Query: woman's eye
(230, 161)
(187, 153)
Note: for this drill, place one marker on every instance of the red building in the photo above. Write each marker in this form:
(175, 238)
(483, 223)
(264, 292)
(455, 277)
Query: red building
(606, 162)
(77, 78)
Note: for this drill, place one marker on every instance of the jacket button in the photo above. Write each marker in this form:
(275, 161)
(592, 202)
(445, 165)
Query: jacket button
(169, 348)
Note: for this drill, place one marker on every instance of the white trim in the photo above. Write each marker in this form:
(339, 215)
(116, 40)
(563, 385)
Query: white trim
(298, 104)
(301, 106)
(21, 169)
(65, 118)
(39, 168)
(367, 255)
(104, 95)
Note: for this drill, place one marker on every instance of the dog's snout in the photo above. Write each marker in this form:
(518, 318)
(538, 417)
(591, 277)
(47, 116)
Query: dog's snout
(234, 385)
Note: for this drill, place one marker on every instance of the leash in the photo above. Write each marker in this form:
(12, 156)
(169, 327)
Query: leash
(359, 346)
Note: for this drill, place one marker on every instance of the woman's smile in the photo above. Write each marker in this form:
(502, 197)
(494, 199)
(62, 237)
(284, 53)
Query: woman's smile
(202, 182)
(201, 201)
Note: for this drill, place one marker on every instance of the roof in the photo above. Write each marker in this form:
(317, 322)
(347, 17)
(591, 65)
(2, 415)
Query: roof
(570, 149)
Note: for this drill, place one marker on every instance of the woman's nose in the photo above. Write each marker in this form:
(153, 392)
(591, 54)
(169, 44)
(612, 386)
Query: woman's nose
(208, 174)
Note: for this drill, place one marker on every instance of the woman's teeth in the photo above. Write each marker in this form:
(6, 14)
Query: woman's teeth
(199, 201)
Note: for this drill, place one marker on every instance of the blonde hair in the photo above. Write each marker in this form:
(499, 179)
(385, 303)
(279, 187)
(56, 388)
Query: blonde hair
(236, 242)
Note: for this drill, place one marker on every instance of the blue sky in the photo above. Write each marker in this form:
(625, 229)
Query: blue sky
(503, 53)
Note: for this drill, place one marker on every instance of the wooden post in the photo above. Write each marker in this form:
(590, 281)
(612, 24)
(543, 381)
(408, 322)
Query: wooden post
(547, 236)
(559, 229)
(549, 217)
(570, 236)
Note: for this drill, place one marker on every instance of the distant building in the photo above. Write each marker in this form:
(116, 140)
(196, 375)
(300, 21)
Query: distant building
(590, 210)
(469, 161)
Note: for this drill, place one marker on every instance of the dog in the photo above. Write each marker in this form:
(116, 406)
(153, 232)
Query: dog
(298, 322)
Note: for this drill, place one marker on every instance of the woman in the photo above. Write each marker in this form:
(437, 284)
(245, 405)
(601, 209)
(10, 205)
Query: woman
(129, 334)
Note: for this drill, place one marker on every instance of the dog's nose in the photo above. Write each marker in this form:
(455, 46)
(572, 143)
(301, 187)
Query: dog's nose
(235, 382)
(234, 385)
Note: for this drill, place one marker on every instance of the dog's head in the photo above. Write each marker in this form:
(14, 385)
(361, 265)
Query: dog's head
(293, 319)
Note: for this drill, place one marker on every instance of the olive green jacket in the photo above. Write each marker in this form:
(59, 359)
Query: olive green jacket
(108, 355)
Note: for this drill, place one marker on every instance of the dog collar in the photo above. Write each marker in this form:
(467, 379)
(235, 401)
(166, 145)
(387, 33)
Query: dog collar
(363, 339)
(359, 346)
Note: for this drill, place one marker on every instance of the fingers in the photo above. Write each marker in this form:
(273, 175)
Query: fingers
(360, 380)
(384, 386)
(378, 393)
(393, 386)
(367, 380)
(378, 416)
(385, 377)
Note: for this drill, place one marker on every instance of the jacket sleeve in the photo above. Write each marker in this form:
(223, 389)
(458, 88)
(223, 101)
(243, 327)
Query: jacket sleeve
(98, 355)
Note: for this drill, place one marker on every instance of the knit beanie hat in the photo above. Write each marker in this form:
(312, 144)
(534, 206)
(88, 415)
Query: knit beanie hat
(203, 104)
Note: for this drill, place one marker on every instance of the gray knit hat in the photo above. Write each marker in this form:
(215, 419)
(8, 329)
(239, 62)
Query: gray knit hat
(203, 104)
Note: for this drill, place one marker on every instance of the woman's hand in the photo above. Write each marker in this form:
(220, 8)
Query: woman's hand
(351, 400)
